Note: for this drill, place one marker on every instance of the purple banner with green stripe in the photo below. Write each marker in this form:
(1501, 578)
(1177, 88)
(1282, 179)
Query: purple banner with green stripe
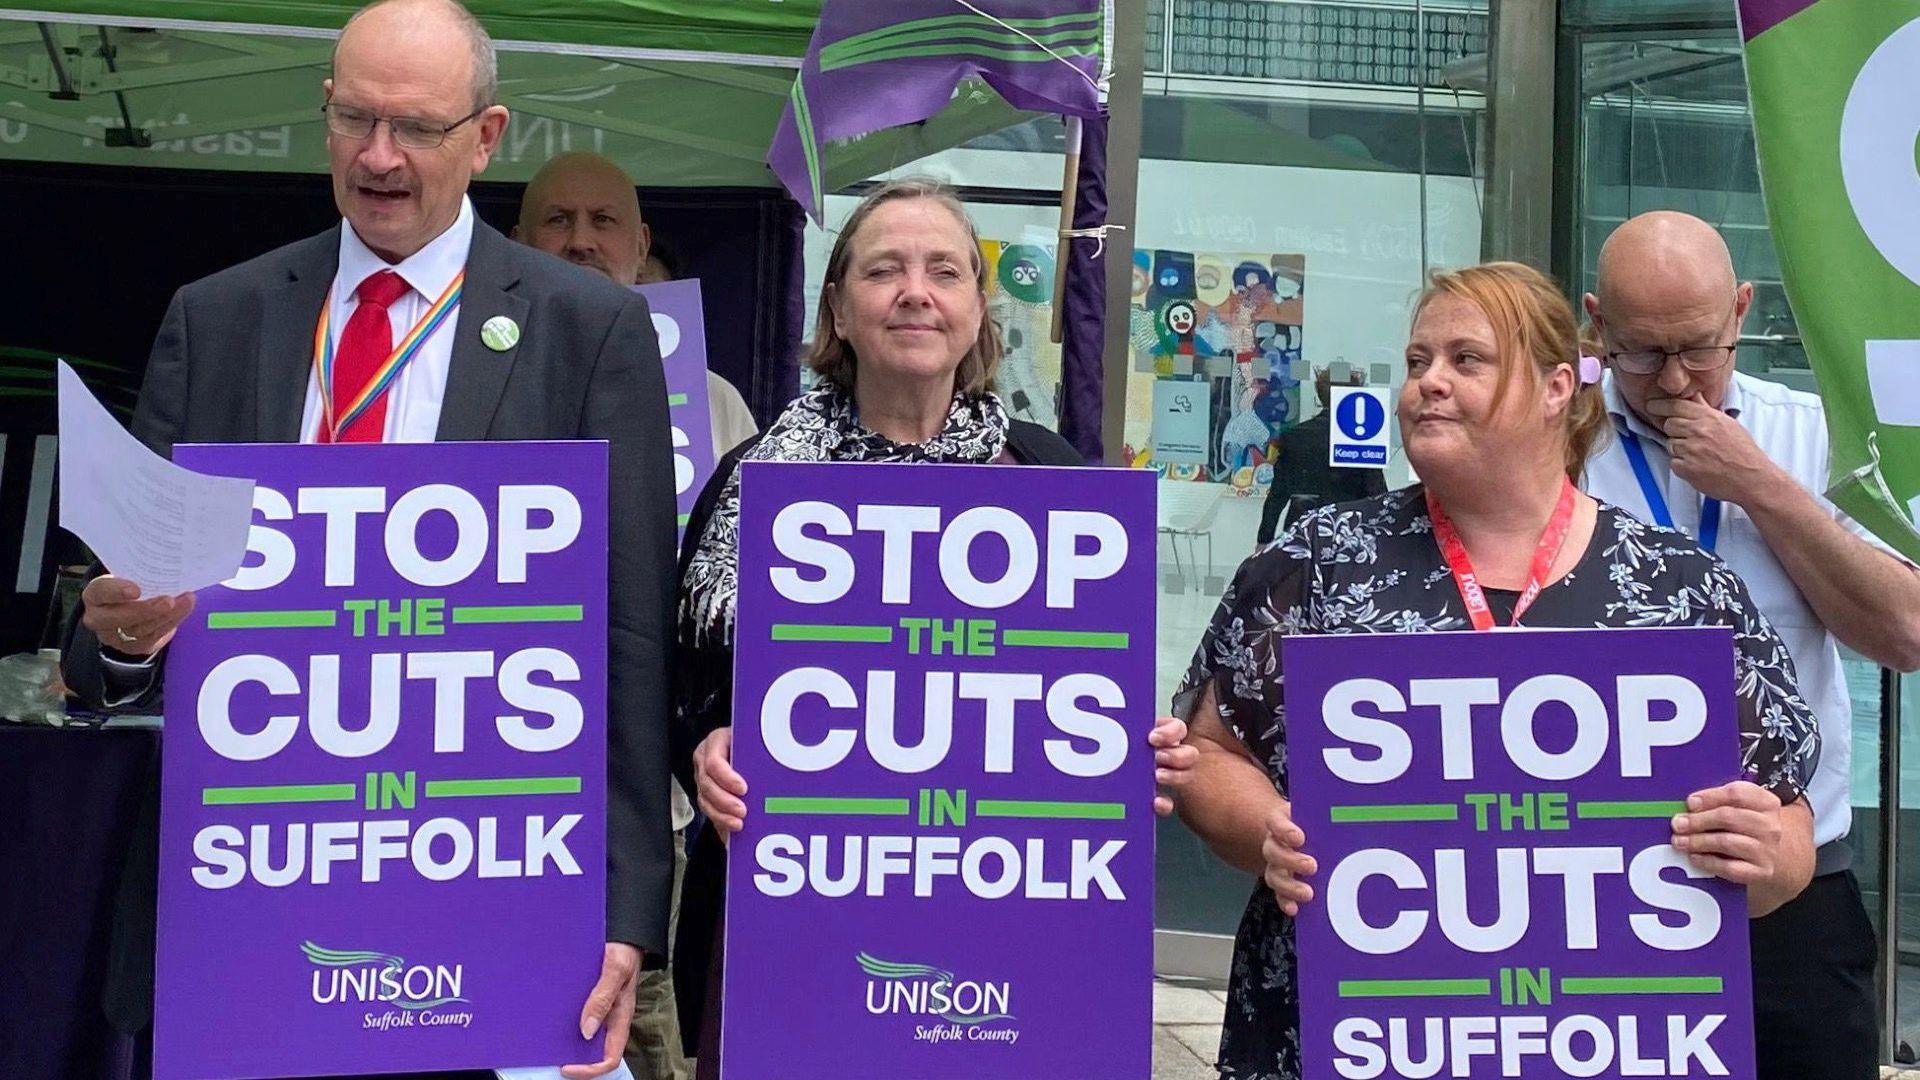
(944, 683)
(383, 795)
(679, 321)
(872, 66)
(1497, 893)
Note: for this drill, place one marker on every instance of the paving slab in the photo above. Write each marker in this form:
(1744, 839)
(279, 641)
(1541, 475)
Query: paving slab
(1174, 1004)
(1172, 1060)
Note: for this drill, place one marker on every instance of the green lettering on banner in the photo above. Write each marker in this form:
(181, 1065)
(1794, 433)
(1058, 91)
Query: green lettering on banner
(980, 637)
(1480, 801)
(389, 618)
(423, 616)
(1528, 811)
(387, 790)
(947, 638)
(1525, 986)
(430, 616)
(1516, 811)
(911, 625)
(939, 807)
(1553, 811)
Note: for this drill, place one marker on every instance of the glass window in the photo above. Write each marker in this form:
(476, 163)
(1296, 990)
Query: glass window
(1292, 195)
(1667, 128)
(1304, 164)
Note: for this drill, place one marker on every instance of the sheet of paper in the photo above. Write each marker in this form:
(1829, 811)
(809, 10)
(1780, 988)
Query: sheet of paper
(167, 529)
(553, 1073)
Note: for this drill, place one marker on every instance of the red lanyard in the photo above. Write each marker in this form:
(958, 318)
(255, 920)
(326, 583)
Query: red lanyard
(1551, 541)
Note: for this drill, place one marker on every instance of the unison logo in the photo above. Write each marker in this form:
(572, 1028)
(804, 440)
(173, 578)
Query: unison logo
(349, 977)
(922, 990)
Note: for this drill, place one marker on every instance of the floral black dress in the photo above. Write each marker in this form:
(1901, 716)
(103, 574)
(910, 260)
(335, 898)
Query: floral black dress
(1373, 567)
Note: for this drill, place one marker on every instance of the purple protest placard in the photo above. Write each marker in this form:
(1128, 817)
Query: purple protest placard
(382, 825)
(680, 322)
(943, 688)
(1497, 894)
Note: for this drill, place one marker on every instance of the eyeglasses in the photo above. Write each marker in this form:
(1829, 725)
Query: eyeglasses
(1650, 361)
(412, 132)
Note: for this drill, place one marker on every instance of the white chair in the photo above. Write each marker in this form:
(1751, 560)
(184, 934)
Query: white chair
(1188, 509)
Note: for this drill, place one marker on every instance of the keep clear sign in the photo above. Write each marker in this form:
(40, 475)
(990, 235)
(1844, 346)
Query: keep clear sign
(1497, 895)
(383, 799)
(943, 687)
(1361, 428)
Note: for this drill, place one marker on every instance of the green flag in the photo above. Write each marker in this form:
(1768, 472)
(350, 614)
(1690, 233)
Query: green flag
(1836, 112)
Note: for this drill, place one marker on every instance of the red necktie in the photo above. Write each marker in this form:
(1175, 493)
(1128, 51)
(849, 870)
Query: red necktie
(365, 345)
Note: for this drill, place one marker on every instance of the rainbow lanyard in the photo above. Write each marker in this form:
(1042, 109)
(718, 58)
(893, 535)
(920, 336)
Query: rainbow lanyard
(389, 369)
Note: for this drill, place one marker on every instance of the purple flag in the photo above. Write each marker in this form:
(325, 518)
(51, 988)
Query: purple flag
(1759, 16)
(876, 65)
(680, 323)
(1497, 893)
(943, 690)
(382, 819)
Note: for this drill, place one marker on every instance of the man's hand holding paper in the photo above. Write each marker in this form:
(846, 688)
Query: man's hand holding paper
(128, 622)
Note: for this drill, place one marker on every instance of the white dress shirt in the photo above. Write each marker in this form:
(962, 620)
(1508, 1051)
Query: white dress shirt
(728, 416)
(1790, 427)
(413, 401)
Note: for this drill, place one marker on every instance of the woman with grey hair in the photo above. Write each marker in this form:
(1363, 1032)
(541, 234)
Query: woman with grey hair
(906, 358)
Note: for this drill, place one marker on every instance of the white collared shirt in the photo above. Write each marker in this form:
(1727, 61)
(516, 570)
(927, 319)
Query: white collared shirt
(413, 402)
(1790, 427)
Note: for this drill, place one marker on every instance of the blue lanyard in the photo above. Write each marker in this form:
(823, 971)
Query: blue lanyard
(1657, 501)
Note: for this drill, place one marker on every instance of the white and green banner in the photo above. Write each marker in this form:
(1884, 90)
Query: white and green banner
(1836, 112)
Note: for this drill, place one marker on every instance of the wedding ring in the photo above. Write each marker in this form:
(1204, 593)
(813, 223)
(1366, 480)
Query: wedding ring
(124, 636)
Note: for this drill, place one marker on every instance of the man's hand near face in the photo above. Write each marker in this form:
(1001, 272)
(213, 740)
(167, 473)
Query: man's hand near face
(1712, 452)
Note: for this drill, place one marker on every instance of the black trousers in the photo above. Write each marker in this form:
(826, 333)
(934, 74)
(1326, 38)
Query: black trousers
(1814, 1012)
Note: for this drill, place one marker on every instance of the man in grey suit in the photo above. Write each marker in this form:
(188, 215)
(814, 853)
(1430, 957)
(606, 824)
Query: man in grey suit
(565, 355)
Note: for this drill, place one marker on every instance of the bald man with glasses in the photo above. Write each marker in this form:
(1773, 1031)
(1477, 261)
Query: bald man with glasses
(1740, 463)
(524, 348)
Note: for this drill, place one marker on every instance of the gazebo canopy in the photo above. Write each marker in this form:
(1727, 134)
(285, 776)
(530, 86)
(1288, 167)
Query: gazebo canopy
(681, 92)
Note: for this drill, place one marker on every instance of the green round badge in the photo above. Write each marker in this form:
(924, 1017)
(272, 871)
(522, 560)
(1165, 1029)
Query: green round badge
(500, 333)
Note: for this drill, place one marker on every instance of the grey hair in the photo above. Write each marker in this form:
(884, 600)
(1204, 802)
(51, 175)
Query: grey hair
(486, 62)
(832, 356)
